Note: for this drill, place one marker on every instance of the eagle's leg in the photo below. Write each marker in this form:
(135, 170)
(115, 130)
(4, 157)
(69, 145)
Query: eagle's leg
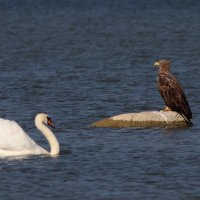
(166, 109)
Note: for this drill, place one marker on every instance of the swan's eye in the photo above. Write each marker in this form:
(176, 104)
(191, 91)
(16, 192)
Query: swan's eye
(49, 122)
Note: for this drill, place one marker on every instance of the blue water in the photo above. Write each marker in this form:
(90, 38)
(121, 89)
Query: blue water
(81, 61)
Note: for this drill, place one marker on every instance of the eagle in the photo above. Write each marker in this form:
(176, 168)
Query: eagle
(171, 91)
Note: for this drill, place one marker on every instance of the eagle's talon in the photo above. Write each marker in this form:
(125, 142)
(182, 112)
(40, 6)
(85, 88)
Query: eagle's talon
(166, 109)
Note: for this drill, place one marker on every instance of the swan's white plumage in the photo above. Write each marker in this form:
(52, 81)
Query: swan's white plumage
(15, 142)
(12, 137)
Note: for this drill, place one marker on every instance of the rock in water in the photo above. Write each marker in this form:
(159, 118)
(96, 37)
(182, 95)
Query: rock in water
(143, 119)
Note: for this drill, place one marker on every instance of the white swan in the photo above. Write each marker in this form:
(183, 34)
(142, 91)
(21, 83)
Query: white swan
(15, 142)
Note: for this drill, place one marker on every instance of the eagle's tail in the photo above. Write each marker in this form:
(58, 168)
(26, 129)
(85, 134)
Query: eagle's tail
(187, 120)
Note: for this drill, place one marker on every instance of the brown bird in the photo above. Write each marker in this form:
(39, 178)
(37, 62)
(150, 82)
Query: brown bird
(171, 91)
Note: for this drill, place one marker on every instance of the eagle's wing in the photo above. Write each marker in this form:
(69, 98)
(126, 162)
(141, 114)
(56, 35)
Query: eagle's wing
(173, 94)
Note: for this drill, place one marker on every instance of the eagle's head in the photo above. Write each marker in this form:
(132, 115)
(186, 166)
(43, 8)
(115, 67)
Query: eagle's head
(163, 65)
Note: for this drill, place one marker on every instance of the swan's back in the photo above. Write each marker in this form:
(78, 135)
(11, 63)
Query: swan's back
(13, 138)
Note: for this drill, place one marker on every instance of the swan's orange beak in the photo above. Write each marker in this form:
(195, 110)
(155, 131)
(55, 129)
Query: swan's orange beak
(50, 123)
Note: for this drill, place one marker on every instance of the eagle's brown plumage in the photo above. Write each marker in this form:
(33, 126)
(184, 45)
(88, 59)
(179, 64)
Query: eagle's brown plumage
(171, 90)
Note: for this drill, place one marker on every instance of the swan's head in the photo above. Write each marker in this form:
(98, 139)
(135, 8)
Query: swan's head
(44, 118)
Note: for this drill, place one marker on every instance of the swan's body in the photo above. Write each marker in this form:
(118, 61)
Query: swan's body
(15, 142)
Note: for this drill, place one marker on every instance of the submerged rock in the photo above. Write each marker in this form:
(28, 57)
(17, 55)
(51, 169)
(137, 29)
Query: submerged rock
(143, 119)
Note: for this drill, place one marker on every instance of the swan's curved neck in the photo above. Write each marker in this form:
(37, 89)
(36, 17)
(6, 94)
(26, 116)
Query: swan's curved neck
(53, 142)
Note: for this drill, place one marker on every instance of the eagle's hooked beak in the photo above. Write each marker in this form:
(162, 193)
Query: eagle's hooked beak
(157, 64)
